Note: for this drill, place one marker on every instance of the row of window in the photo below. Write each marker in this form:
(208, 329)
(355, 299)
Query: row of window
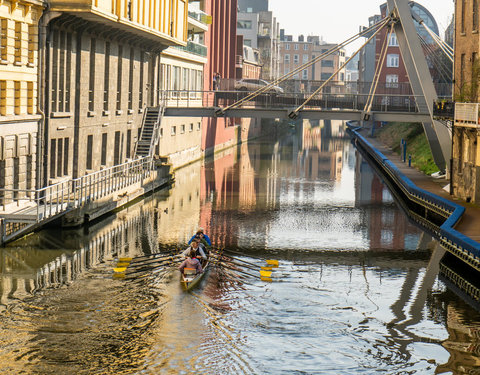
(24, 39)
(473, 68)
(296, 46)
(305, 59)
(178, 78)
(23, 98)
(173, 129)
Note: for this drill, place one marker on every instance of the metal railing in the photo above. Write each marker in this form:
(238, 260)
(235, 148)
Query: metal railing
(63, 196)
(381, 103)
(195, 48)
(199, 15)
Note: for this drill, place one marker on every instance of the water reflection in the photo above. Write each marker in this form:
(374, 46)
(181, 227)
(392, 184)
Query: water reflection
(357, 291)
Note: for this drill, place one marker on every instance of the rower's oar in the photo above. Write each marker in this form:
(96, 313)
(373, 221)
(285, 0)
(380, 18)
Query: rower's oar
(271, 262)
(148, 266)
(248, 265)
(263, 278)
(144, 258)
(145, 262)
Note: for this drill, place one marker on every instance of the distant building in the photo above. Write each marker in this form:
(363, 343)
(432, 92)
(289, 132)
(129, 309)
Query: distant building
(253, 6)
(248, 61)
(393, 75)
(293, 54)
(260, 30)
(19, 116)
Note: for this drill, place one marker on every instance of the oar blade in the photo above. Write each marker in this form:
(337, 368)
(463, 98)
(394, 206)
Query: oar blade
(125, 259)
(267, 279)
(119, 269)
(265, 273)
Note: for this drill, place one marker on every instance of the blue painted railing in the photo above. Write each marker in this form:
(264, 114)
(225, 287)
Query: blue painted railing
(447, 230)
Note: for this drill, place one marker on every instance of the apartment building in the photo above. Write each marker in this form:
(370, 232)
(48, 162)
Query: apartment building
(19, 115)
(102, 70)
(294, 54)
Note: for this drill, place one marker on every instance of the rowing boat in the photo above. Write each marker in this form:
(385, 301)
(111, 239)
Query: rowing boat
(189, 280)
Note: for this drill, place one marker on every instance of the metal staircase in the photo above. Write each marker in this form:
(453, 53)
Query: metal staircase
(149, 134)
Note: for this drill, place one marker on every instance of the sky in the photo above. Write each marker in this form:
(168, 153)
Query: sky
(337, 20)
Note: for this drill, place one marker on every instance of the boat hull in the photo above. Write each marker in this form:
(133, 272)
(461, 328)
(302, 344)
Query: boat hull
(189, 282)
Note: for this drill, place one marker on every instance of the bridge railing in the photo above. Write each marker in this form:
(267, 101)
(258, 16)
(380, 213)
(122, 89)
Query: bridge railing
(381, 102)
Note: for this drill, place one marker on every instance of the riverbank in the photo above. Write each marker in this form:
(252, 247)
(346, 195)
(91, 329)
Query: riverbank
(453, 222)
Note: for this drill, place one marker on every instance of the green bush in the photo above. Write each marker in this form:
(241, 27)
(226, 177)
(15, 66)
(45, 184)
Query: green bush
(417, 144)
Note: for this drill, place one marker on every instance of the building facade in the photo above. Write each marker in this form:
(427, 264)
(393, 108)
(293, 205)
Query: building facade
(466, 134)
(182, 80)
(294, 54)
(102, 70)
(19, 115)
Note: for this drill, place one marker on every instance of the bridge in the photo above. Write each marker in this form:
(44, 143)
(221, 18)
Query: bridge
(25, 210)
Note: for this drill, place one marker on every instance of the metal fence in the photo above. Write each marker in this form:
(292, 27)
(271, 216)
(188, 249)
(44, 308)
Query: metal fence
(49, 201)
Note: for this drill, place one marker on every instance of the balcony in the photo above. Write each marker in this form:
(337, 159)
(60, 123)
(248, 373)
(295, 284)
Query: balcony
(199, 20)
(136, 17)
(195, 48)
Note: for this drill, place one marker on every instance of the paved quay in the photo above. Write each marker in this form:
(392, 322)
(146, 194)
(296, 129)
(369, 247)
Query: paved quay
(469, 224)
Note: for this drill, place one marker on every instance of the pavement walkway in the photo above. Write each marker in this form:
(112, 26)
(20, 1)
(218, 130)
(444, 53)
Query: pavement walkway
(469, 224)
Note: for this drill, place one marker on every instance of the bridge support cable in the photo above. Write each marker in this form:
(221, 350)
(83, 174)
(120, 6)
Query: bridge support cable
(445, 71)
(378, 72)
(442, 44)
(438, 136)
(289, 75)
(294, 114)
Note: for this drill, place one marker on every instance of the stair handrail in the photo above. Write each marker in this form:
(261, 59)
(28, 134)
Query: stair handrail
(145, 110)
(156, 127)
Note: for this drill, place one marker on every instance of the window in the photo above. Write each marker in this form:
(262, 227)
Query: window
(173, 130)
(60, 157)
(287, 46)
(393, 42)
(327, 63)
(18, 97)
(295, 46)
(244, 24)
(129, 144)
(117, 149)
(3, 98)
(66, 148)
(182, 129)
(287, 59)
(247, 42)
(53, 158)
(324, 51)
(391, 81)
(305, 74)
(18, 42)
(296, 58)
(392, 61)
(130, 78)
(342, 76)
(462, 70)
(305, 47)
(140, 81)
(475, 15)
(89, 152)
(462, 21)
(191, 127)
(106, 77)
(199, 126)
(3, 39)
(104, 149)
(119, 77)
(305, 59)
(325, 76)
(30, 98)
(91, 84)
(31, 44)
(287, 70)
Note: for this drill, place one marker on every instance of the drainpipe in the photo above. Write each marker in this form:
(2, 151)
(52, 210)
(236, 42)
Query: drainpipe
(42, 105)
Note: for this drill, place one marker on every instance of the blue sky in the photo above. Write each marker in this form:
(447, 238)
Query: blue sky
(337, 20)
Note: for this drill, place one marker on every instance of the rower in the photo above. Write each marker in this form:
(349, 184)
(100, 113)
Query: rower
(191, 265)
(200, 234)
(199, 253)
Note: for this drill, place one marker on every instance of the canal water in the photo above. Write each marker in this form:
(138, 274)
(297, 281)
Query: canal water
(358, 288)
